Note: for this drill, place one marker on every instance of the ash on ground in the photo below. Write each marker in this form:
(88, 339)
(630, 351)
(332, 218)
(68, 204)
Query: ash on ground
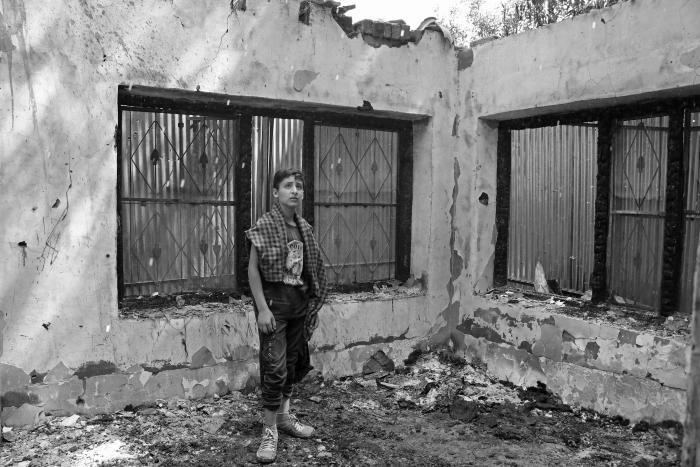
(435, 411)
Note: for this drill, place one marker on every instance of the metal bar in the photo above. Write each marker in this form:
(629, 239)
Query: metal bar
(178, 280)
(624, 212)
(361, 263)
(331, 203)
(178, 201)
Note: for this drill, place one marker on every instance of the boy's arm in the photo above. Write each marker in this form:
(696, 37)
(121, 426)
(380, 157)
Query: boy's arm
(266, 322)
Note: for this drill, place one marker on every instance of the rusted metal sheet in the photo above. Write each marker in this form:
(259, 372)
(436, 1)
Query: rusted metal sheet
(637, 203)
(355, 202)
(177, 202)
(277, 144)
(692, 212)
(552, 204)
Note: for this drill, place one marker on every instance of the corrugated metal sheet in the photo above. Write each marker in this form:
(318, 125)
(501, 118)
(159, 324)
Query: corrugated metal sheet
(177, 202)
(637, 204)
(552, 204)
(355, 202)
(277, 144)
(692, 213)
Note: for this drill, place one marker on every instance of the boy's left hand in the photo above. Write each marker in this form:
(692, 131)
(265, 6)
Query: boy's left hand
(310, 325)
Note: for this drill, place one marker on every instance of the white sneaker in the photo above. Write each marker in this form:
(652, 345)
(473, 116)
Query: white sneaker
(267, 452)
(291, 425)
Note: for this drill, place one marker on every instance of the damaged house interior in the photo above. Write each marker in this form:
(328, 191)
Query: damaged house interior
(509, 231)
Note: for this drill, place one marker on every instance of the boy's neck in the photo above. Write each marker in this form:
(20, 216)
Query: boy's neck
(287, 214)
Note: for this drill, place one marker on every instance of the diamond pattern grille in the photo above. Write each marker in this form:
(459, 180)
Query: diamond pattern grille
(355, 202)
(637, 209)
(178, 174)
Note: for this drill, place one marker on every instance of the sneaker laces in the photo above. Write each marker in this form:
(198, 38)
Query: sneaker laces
(294, 421)
(268, 439)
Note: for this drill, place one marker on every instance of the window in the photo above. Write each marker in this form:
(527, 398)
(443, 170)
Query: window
(195, 171)
(611, 206)
(355, 202)
(552, 200)
(177, 201)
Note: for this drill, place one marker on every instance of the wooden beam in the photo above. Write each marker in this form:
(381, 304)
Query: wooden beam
(404, 198)
(120, 195)
(308, 164)
(599, 277)
(243, 197)
(503, 161)
(177, 100)
(673, 222)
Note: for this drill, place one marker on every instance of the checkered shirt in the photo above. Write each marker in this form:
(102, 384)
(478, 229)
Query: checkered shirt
(268, 237)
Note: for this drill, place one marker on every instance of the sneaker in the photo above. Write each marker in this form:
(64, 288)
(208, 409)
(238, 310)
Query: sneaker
(291, 425)
(268, 446)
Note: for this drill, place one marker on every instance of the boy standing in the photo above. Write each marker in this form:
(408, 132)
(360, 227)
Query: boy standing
(288, 284)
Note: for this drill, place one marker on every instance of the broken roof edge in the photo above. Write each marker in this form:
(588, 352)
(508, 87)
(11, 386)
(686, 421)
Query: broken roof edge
(226, 104)
(392, 33)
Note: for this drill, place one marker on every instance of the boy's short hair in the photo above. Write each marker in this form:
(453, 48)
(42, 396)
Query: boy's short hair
(281, 174)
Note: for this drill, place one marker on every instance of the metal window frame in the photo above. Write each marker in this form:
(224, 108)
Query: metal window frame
(152, 99)
(606, 117)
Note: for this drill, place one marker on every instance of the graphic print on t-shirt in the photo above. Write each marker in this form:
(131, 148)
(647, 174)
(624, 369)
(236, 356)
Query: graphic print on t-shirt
(294, 264)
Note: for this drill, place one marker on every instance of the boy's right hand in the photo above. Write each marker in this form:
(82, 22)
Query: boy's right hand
(266, 322)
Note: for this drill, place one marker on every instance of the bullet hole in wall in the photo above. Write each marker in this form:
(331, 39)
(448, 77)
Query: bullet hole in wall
(107, 255)
(440, 94)
(484, 199)
(22, 244)
(46, 325)
(34, 208)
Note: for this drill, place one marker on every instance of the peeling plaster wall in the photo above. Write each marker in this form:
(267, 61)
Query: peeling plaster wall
(60, 65)
(629, 52)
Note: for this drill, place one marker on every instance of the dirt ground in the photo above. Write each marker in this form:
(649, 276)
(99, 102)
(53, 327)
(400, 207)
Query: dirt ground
(437, 411)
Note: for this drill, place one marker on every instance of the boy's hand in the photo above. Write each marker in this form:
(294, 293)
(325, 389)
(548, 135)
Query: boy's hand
(310, 325)
(266, 322)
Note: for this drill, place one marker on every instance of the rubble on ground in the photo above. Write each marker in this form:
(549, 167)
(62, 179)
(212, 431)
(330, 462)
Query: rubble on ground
(437, 410)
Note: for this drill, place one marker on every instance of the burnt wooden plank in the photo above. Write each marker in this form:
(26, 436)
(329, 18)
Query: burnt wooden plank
(308, 168)
(673, 225)
(602, 210)
(227, 105)
(503, 169)
(243, 197)
(404, 204)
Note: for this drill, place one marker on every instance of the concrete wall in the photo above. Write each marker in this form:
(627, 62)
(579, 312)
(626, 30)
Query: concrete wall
(633, 51)
(61, 64)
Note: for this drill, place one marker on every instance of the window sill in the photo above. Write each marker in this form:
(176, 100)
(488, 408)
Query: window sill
(610, 314)
(166, 308)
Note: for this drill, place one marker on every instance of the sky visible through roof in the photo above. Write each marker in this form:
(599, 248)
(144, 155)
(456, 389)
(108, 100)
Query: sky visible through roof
(411, 11)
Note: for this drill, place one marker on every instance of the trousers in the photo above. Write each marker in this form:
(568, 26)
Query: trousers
(280, 350)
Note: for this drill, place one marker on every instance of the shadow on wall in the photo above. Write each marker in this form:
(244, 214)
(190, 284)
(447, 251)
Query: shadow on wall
(58, 293)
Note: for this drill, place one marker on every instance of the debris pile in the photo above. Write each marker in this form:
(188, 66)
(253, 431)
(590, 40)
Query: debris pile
(436, 410)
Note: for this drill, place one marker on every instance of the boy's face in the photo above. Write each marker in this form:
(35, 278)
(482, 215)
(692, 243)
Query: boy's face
(290, 192)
